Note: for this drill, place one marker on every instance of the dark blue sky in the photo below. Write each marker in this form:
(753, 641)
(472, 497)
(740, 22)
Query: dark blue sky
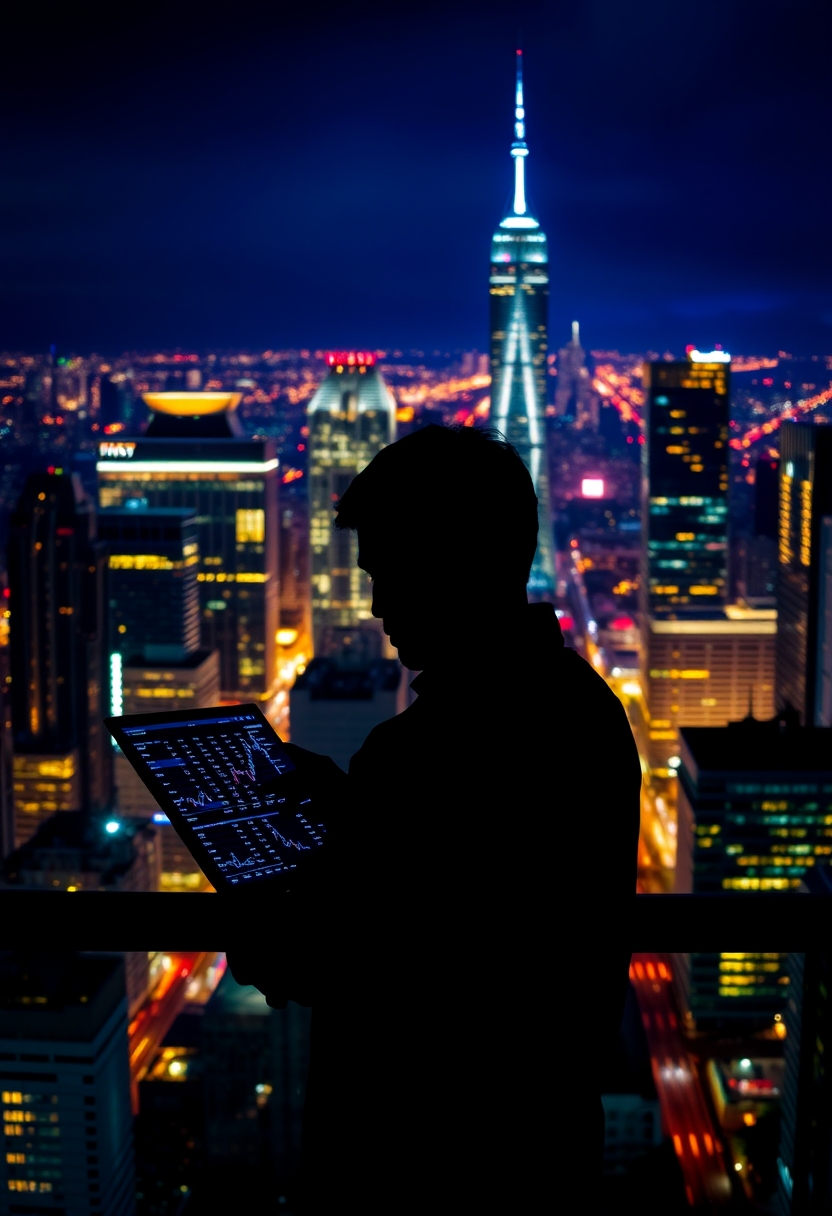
(216, 177)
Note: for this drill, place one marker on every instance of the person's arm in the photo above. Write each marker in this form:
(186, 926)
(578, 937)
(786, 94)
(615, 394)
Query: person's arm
(285, 954)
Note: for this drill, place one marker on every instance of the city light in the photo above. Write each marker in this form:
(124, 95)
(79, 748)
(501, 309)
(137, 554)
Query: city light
(116, 690)
(592, 487)
(112, 826)
(709, 356)
(350, 358)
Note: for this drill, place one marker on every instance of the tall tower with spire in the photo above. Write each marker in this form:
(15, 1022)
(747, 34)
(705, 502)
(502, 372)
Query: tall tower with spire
(519, 290)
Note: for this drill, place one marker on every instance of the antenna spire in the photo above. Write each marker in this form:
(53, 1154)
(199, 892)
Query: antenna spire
(519, 150)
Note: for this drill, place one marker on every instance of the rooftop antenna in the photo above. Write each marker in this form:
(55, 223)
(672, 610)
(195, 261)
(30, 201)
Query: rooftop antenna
(519, 149)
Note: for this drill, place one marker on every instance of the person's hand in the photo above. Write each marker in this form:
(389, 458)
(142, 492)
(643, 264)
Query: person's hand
(285, 966)
(326, 781)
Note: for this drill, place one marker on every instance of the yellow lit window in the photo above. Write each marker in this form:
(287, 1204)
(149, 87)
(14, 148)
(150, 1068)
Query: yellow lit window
(16, 1158)
(251, 526)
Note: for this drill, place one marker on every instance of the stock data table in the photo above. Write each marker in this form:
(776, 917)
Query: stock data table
(213, 771)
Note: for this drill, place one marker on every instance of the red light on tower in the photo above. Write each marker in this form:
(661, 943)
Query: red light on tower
(350, 358)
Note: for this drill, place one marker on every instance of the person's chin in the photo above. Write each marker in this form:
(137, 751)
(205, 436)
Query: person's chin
(409, 656)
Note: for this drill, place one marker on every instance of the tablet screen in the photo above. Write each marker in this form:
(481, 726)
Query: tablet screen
(211, 769)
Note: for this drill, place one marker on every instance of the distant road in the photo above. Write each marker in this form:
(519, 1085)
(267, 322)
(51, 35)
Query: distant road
(685, 1114)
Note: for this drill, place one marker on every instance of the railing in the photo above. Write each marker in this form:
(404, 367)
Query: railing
(47, 920)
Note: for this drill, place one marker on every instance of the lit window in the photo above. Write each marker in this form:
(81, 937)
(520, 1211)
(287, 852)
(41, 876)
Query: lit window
(251, 526)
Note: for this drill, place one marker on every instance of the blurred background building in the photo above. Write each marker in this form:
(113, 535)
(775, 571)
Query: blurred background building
(58, 653)
(351, 417)
(194, 455)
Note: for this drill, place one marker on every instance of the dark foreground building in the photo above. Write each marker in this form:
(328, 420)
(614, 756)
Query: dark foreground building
(755, 801)
(64, 1086)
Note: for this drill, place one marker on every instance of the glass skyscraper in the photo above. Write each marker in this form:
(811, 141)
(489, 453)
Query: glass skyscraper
(195, 455)
(519, 292)
(805, 499)
(685, 486)
(351, 417)
(58, 644)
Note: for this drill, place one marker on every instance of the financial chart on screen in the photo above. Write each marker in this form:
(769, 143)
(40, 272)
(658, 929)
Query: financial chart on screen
(213, 770)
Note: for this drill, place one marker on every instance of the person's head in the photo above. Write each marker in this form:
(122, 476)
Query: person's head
(447, 529)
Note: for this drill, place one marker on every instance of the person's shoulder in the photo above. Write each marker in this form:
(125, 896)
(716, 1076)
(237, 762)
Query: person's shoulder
(386, 740)
(581, 676)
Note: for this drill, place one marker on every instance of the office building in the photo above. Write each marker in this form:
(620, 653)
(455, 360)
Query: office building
(823, 691)
(519, 295)
(804, 1161)
(753, 815)
(338, 699)
(153, 593)
(190, 683)
(254, 1064)
(6, 755)
(705, 672)
(805, 499)
(155, 660)
(58, 650)
(685, 486)
(194, 455)
(351, 417)
(237, 1070)
(575, 398)
(65, 1086)
(632, 1115)
(72, 852)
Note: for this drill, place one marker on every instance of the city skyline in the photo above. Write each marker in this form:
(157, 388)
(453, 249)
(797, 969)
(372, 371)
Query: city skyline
(181, 226)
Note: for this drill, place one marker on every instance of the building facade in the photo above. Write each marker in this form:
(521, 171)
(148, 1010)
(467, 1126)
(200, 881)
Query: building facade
(685, 486)
(58, 653)
(201, 461)
(804, 1162)
(805, 499)
(705, 673)
(351, 417)
(754, 814)
(153, 593)
(519, 296)
(65, 1086)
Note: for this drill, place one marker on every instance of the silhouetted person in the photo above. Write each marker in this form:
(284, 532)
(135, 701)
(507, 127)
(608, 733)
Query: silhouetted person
(454, 947)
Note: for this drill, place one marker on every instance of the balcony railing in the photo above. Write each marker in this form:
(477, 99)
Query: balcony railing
(59, 920)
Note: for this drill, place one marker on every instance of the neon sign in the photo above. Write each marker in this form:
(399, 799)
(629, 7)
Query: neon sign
(115, 451)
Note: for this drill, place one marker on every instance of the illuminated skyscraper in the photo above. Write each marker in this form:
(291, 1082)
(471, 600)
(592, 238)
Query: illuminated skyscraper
(153, 591)
(68, 1143)
(685, 486)
(57, 576)
(155, 660)
(519, 291)
(351, 418)
(752, 817)
(805, 498)
(195, 455)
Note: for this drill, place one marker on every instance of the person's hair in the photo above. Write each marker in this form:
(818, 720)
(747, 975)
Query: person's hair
(462, 490)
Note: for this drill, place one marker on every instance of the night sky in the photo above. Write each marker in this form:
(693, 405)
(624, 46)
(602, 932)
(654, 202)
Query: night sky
(215, 177)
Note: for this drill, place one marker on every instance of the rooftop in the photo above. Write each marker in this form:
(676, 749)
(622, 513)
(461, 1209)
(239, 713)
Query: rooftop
(777, 746)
